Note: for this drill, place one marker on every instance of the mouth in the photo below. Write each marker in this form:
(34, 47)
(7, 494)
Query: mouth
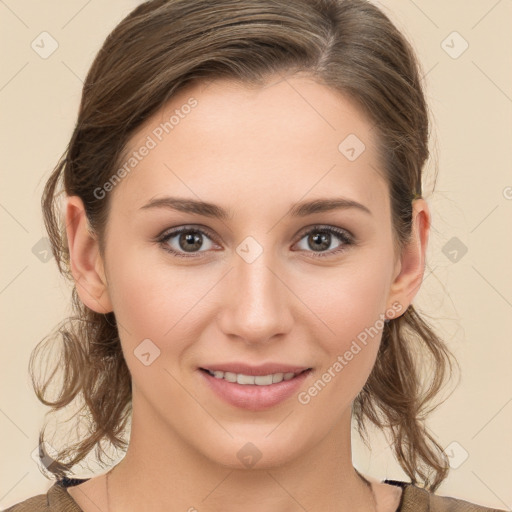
(262, 379)
(259, 388)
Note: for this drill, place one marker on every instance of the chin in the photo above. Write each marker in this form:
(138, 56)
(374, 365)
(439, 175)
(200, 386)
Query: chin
(254, 452)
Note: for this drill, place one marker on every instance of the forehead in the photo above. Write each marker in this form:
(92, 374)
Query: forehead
(223, 141)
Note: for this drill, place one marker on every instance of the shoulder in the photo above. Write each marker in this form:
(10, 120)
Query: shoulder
(34, 503)
(57, 499)
(416, 499)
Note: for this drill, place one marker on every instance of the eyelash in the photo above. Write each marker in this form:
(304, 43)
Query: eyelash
(343, 235)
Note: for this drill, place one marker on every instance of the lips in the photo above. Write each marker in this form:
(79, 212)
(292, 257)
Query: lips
(256, 396)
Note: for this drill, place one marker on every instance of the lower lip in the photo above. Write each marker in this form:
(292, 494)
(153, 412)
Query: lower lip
(251, 396)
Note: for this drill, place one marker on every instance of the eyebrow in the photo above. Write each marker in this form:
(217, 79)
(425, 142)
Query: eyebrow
(301, 209)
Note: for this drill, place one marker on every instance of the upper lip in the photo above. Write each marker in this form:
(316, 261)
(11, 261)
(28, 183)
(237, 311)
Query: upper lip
(263, 369)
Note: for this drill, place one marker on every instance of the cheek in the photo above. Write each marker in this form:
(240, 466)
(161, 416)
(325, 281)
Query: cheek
(349, 298)
(349, 306)
(152, 306)
(155, 299)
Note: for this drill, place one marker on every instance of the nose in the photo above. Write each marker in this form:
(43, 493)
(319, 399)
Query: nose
(257, 302)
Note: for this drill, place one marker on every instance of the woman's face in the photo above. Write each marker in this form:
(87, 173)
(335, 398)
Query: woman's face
(281, 278)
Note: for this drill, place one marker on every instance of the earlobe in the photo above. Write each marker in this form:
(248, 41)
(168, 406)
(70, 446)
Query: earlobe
(412, 264)
(85, 259)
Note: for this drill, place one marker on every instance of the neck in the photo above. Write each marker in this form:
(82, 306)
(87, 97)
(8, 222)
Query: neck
(163, 472)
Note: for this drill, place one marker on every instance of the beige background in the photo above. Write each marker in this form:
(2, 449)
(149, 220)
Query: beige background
(468, 298)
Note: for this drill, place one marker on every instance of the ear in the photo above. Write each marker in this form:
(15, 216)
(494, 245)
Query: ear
(85, 259)
(411, 266)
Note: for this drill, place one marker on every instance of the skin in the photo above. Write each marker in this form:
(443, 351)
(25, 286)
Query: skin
(243, 148)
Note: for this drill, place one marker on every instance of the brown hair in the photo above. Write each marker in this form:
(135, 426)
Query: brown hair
(158, 49)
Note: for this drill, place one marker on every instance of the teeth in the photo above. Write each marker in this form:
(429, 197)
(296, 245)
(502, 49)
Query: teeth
(277, 377)
(258, 380)
(230, 377)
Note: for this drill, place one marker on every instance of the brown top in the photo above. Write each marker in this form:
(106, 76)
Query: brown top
(413, 499)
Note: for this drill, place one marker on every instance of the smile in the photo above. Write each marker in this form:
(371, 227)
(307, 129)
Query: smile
(258, 380)
(254, 392)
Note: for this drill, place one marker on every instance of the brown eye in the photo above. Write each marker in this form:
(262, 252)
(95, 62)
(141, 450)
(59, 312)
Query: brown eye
(186, 241)
(321, 239)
